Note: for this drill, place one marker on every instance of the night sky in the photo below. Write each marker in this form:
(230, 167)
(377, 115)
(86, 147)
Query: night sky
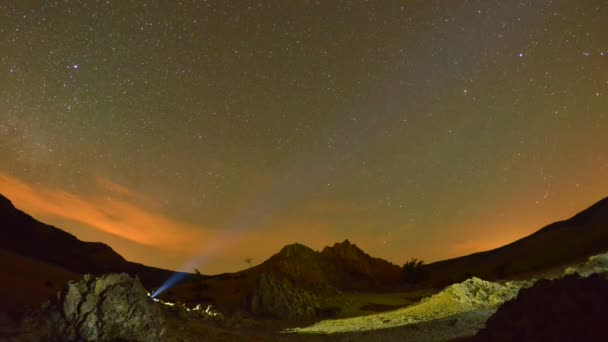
(228, 129)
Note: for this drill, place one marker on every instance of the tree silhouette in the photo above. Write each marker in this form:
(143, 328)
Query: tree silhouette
(248, 261)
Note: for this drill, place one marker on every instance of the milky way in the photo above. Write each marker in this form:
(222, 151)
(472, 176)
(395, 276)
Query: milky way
(414, 128)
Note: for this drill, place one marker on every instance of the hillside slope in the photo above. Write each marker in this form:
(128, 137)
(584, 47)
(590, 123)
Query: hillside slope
(555, 245)
(24, 235)
(27, 282)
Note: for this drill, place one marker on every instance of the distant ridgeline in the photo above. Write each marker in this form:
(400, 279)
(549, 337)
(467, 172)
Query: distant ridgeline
(343, 266)
(26, 236)
(557, 244)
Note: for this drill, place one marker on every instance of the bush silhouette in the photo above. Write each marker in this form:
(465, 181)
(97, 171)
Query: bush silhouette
(199, 286)
(413, 271)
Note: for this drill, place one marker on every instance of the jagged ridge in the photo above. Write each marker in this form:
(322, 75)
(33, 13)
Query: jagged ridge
(343, 266)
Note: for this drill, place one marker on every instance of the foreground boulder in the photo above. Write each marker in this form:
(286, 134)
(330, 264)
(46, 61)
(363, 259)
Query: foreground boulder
(106, 308)
(565, 309)
(278, 297)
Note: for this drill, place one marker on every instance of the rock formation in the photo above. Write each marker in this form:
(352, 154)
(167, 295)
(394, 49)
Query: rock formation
(278, 297)
(299, 264)
(343, 266)
(565, 309)
(350, 268)
(108, 308)
(288, 283)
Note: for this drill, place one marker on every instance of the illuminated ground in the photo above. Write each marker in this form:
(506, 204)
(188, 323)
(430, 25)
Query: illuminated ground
(469, 296)
(457, 311)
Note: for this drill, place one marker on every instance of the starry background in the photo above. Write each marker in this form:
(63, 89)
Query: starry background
(228, 129)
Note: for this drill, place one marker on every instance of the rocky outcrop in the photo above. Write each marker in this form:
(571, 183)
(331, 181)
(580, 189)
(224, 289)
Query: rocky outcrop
(108, 308)
(595, 264)
(353, 269)
(565, 309)
(299, 264)
(278, 297)
(343, 266)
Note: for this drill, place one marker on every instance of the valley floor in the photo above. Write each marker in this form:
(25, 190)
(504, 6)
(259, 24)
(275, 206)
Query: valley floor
(458, 326)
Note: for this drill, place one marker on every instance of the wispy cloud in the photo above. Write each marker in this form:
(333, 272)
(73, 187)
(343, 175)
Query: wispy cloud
(119, 217)
(124, 213)
(115, 188)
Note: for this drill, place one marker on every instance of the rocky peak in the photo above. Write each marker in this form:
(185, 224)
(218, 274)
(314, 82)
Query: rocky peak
(299, 263)
(338, 267)
(345, 250)
(361, 270)
(295, 250)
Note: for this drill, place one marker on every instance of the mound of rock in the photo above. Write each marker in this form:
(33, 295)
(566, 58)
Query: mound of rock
(106, 308)
(278, 297)
(565, 309)
(482, 294)
(595, 264)
(474, 295)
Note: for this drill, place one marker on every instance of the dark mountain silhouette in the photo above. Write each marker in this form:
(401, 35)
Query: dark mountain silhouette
(24, 235)
(342, 266)
(361, 269)
(287, 284)
(555, 245)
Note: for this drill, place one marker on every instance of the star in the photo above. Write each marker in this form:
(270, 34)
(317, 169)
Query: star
(272, 114)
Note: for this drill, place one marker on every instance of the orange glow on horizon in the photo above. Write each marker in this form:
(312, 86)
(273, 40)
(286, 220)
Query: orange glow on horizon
(116, 211)
(136, 223)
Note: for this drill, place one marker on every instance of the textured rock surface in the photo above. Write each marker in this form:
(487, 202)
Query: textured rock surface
(278, 297)
(344, 266)
(566, 309)
(355, 269)
(300, 264)
(472, 295)
(595, 264)
(483, 294)
(108, 308)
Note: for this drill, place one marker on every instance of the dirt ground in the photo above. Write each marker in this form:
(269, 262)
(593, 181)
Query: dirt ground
(460, 326)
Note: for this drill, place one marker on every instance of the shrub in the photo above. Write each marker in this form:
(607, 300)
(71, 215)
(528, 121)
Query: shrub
(413, 271)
